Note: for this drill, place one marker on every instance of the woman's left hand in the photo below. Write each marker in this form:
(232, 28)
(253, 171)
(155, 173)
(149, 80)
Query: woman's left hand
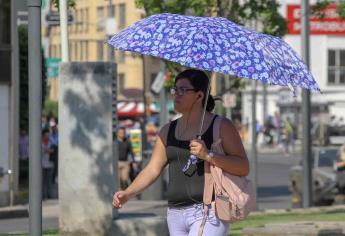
(198, 148)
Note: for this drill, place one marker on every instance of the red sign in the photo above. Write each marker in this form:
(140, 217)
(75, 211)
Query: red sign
(331, 24)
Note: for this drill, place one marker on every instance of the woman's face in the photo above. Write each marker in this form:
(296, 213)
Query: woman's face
(185, 96)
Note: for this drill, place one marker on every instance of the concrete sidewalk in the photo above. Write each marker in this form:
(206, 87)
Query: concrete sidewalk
(50, 208)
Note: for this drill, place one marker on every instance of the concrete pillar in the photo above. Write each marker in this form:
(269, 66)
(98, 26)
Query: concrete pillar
(86, 164)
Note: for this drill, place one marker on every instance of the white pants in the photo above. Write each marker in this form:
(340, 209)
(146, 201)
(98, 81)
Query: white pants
(185, 221)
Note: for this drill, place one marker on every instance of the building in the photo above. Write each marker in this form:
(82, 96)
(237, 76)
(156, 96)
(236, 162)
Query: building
(327, 64)
(94, 22)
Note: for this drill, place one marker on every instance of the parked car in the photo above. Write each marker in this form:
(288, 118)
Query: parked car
(325, 178)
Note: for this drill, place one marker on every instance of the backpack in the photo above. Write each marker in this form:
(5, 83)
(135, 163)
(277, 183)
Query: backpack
(234, 196)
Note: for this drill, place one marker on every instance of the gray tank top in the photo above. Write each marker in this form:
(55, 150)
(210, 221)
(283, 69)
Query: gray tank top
(185, 188)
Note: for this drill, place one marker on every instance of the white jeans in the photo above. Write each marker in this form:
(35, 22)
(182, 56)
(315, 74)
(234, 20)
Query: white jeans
(186, 221)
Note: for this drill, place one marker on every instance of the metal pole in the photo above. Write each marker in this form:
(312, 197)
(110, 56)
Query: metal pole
(227, 88)
(64, 30)
(111, 50)
(307, 176)
(35, 102)
(254, 155)
(14, 158)
(163, 116)
(143, 126)
(264, 102)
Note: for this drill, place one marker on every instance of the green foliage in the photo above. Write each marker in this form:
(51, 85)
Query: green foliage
(341, 9)
(24, 79)
(261, 220)
(51, 106)
(317, 10)
(70, 3)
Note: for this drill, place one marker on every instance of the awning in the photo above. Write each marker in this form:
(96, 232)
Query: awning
(132, 108)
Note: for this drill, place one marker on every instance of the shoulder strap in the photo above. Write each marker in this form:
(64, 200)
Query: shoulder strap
(216, 128)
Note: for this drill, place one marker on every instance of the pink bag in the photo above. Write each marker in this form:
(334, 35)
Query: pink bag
(234, 195)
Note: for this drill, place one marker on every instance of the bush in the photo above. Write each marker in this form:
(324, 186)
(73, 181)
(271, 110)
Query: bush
(52, 106)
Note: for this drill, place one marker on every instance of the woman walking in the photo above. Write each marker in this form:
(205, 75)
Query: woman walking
(176, 143)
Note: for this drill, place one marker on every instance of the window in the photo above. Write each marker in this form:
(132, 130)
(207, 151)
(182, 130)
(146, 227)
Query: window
(86, 52)
(120, 83)
(122, 14)
(86, 20)
(100, 50)
(5, 22)
(100, 18)
(81, 20)
(336, 67)
(120, 57)
(111, 11)
(111, 54)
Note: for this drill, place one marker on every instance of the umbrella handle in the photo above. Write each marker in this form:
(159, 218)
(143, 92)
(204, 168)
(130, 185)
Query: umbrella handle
(204, 109)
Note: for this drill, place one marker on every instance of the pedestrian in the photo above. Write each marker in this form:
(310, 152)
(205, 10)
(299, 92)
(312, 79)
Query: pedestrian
(47, 165)
(54, 141)
(288, 136)
(125, 157)
(23, 159)
(175, 144)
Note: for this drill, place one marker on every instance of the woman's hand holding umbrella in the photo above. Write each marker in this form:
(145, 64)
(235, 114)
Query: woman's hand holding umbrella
(199, 149)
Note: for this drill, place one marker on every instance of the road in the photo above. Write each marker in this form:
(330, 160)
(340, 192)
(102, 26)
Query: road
(273, 175)
(273, 171)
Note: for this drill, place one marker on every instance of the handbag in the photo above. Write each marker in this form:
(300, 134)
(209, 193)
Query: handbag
(234, 196)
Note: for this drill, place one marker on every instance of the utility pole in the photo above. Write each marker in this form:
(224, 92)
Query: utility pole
(163, 116)
(306, 141)
(264, 102)
(64, 30)
(254, 154)
(35, 113)
(15, 97)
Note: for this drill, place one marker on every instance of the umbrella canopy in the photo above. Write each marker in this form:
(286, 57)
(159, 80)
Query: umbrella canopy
(218, 45)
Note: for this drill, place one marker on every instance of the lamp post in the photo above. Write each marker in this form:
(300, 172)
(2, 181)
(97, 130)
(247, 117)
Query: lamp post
(35, 101)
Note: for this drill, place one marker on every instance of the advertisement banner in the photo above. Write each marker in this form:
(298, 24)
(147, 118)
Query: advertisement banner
(330, 24)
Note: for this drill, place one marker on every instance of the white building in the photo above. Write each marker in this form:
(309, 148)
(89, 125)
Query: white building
(327, 64)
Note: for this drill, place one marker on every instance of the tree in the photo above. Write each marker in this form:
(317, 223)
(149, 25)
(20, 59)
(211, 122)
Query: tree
(263, 15)
(24, 80)
(318, 8)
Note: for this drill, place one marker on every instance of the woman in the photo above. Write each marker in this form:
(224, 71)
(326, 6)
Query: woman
(176, 142)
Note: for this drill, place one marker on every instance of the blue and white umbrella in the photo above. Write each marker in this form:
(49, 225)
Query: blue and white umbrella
(218, 45)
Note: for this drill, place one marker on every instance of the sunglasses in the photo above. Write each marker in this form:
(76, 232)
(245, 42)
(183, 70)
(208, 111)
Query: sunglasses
(180, 90)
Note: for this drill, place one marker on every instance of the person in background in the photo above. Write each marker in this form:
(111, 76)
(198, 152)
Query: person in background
(47, 165)
(125, 152)
(23, 159)
(54, 141)
(288, 136)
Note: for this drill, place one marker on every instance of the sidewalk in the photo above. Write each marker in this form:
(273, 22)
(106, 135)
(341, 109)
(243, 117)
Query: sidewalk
(50, 208)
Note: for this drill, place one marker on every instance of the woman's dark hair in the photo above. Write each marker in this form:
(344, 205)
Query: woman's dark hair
(199, 80)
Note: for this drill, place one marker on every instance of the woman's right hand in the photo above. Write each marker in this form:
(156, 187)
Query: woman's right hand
(120, 198)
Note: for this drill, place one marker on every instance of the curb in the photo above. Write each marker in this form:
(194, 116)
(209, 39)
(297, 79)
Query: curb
(336, 208)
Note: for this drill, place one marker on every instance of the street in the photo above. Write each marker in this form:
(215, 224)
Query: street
(273, 171)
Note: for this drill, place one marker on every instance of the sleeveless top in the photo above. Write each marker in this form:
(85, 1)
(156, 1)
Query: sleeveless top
(185, 188)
